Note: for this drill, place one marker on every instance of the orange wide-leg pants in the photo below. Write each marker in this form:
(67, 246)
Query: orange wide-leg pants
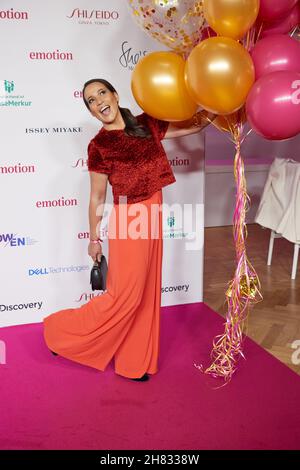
(124, 322)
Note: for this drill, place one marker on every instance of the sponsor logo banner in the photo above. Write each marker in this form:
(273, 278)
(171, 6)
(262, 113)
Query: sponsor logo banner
(81, 163)
(94, 17)
(9, 98)
(177, 161)
(29, 305)
(11, 239)
(56, 270)
(61, 202)
(52, 55)
(85, 297)
(130, 57)
(53, 130)
(12, 14)
(17, 168)
(184, 288)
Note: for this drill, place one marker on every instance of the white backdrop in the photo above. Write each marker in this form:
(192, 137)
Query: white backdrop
(48, 50)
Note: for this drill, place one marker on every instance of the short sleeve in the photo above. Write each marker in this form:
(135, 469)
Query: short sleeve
(158, 126)
(96, 161)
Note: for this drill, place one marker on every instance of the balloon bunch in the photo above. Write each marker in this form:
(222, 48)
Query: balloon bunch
(269, 100)
(219, 64)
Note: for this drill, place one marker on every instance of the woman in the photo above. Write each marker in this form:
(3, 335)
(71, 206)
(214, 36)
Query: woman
(124, 321)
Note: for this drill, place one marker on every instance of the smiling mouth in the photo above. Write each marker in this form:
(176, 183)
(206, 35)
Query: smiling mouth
(105, 110)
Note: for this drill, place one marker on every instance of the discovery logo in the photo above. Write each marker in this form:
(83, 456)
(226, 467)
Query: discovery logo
(27, 306)
(184, 288)
(9, 99)
(56, 270)
(12, 240)
(129, 58)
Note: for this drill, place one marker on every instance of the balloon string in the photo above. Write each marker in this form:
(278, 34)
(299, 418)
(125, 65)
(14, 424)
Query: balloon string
(244, 289)
(294, 30)
(252, 36)
(259, 32)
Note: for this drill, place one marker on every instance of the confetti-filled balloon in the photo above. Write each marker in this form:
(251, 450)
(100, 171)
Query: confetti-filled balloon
(175, 23)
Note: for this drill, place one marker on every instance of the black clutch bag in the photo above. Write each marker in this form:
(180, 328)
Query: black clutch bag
(98, 274)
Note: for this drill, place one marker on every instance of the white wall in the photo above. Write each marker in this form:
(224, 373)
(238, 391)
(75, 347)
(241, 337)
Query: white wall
(48, 50)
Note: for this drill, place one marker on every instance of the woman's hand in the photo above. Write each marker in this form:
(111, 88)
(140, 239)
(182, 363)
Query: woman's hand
(95, 251)
(198, 122)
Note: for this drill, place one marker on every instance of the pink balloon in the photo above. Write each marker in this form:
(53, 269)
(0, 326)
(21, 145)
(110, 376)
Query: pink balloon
(284, 25)
(273, 10)
(274, 53)
(273, 105)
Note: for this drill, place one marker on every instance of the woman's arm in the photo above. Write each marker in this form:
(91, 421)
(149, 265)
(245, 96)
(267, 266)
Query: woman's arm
(194, 125)
(96, 206)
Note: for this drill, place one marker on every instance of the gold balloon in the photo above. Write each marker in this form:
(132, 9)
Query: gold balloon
(175, 23)
(219, 73)
(231, 18)
(230, 121)
(159, 88)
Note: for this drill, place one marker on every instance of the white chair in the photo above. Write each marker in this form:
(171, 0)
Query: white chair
(296, 253)
(279, 207)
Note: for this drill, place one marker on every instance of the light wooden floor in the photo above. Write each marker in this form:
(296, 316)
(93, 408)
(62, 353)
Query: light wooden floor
(273, 323)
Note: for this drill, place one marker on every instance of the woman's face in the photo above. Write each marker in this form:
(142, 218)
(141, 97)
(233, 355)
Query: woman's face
(102, 102)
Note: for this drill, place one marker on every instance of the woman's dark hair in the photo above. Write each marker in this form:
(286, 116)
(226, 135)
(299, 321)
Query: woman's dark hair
(132, 127)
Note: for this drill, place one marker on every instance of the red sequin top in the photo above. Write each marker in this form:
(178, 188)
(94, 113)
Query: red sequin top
(137, 167)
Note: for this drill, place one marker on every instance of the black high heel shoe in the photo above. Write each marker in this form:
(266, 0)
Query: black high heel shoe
(144, 378)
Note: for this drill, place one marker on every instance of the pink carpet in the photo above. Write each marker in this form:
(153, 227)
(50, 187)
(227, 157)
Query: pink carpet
(49, 402)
